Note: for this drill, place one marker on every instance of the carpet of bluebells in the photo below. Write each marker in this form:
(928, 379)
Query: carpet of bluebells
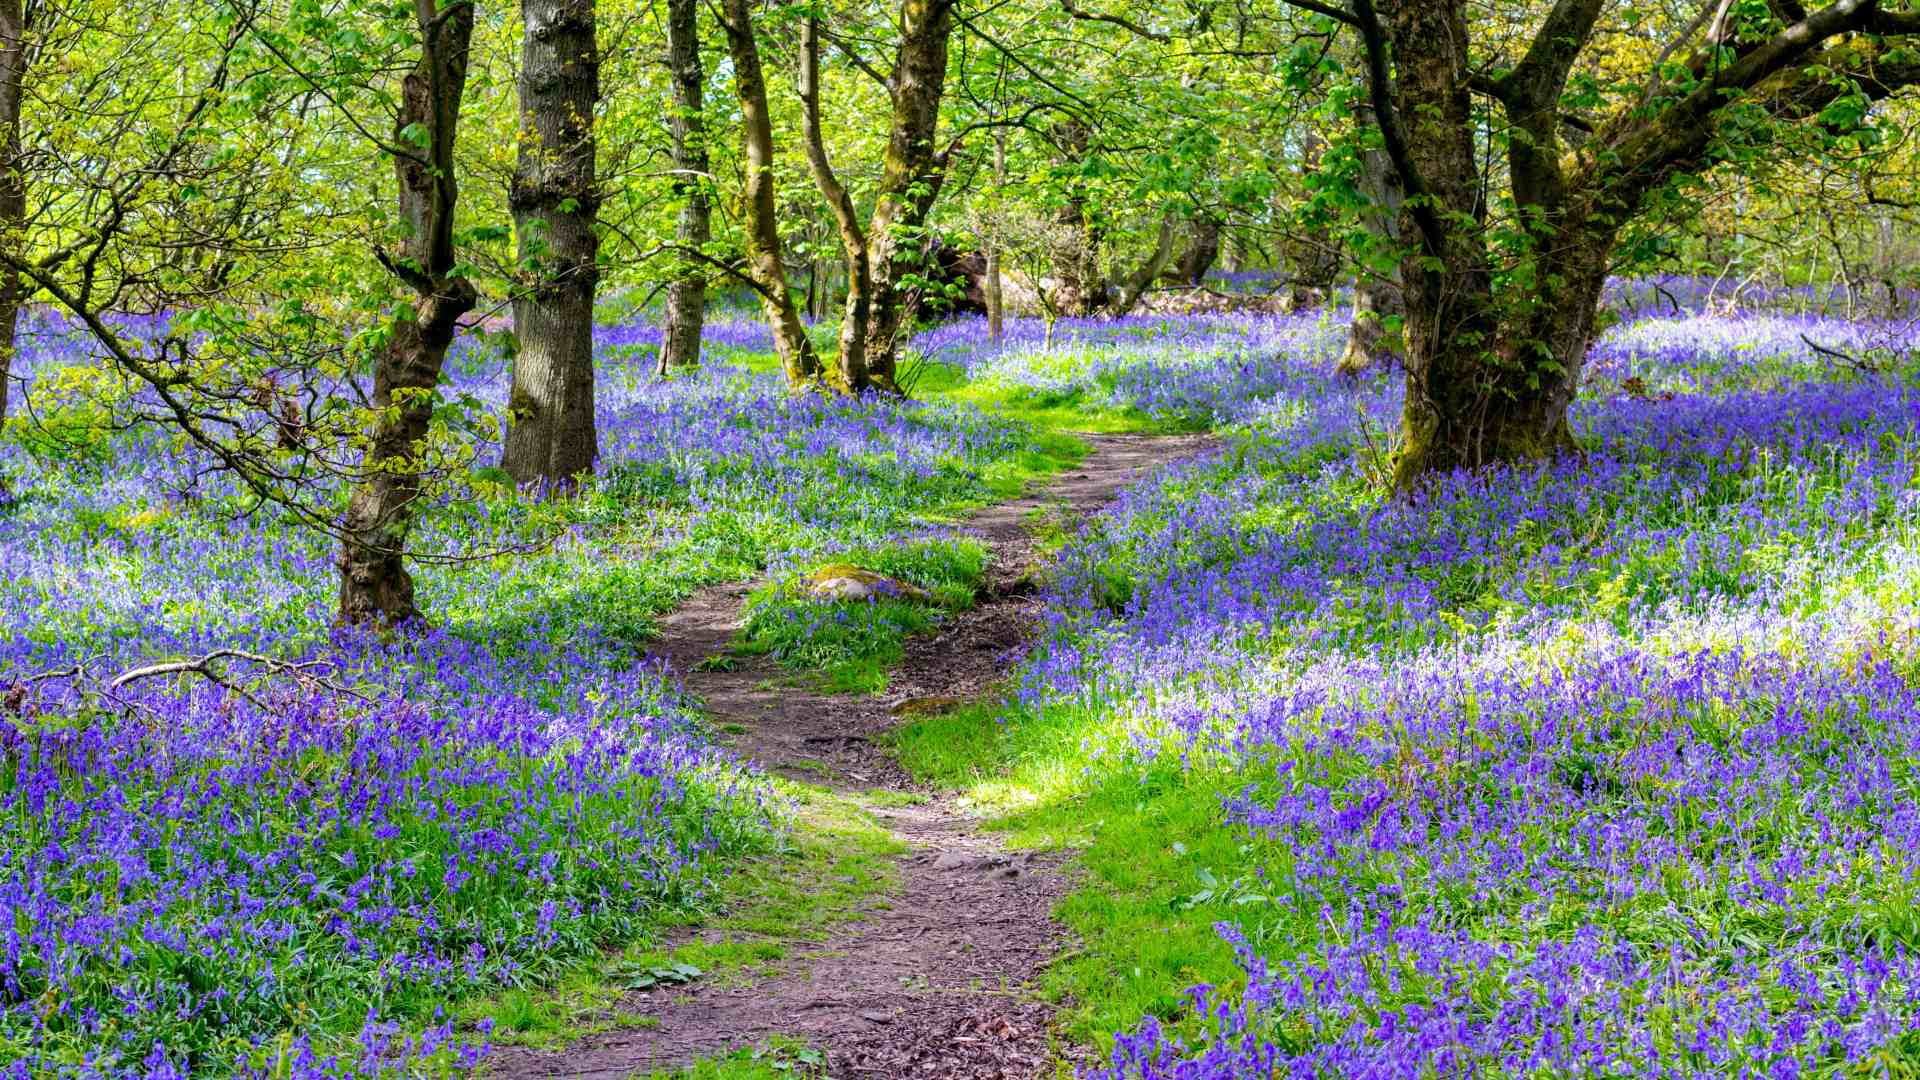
(272, 877)
(1599, 767)
(1190, 372)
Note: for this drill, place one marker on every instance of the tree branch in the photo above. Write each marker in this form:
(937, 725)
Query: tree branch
(1120, 21)
(1337, 15)
(1386, 116)
(1538, 80)
(1645, 153)
(302, 672)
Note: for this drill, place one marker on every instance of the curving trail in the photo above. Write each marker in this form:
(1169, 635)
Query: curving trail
(934, 980)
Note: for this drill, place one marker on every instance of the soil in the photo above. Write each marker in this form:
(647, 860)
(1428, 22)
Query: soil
(934, 980)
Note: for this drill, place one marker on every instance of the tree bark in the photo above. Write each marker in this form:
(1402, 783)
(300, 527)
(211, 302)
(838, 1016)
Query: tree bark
(766, 267)
(1375, 297)
(1202, 251)
(1453, 414)
(13, 182)
(849, 372)
(1080, 288)
(990, 284)
(375, 586)
(687, 294)
(910, 180)
(555, 200)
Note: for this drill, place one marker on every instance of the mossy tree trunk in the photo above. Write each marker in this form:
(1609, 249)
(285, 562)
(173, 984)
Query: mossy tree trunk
(551, 436)
(375, 586)
(766, 264)
(1202, 250)
(687, 293)
(1376, 292)
(13, 181)
(849, 370)
(910, 180)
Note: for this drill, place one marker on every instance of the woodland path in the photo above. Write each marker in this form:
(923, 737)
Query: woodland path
(934, 979)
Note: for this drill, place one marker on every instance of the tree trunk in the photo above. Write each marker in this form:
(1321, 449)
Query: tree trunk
(551, 436)
(687, 294)
(910, 180)
(13, 182)
(1203, 250)
(766, 267)
(990, 278)
(1079, 287)
(374, 583)
(1146, 273)
(1451, 397)
(1376, 297)
(1478, 390)
(849, 373)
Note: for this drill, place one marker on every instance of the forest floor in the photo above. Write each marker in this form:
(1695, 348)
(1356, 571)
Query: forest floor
(933, 976)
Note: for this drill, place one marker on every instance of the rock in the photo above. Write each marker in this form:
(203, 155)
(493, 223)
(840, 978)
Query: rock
(845, 581)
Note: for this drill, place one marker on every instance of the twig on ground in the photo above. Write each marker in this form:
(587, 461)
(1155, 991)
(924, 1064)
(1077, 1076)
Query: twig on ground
(1857, 363)
(305, 672)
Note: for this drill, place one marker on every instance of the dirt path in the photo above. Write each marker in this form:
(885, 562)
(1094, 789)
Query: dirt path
(934, 980)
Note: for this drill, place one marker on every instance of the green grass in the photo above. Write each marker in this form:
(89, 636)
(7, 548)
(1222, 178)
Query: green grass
(1045, 410)
(1072, 409)
(848, 646)
(1148, 840)
(835, 861)
(775, 1059)
(1059, 412)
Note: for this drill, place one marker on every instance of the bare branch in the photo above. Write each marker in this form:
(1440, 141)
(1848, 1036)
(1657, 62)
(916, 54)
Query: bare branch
(305, 673)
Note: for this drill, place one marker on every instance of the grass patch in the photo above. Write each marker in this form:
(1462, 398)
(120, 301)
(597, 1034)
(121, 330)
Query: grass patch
(1061, 411)
(775, 1059)
(847, 646)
